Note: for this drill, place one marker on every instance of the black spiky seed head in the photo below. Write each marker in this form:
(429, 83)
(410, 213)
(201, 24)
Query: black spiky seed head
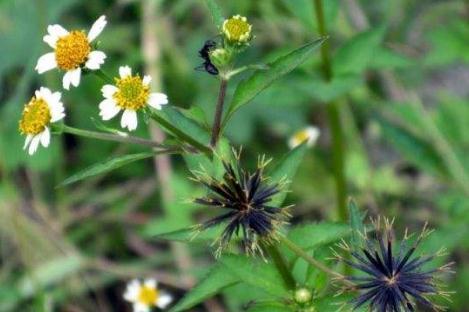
(246, 197)
(395, 278)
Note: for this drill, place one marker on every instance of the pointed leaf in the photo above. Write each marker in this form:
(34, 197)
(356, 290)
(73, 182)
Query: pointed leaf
(215, 281)
(286, 169)
(215, 11)
(105, 167)
(356, 223)
(261, 79)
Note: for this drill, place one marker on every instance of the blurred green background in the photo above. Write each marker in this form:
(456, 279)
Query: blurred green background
(401, 73)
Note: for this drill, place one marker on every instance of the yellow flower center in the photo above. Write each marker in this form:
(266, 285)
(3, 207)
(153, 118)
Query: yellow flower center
(36, 116)
(132, 93)
(237, 29)
(72, 50)
(301, 136)
(148, 295)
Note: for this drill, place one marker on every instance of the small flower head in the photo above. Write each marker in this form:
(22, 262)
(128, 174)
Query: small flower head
(246, 197)
(130, 94)
(395, 277)
(146, 295)
(302, 295)
(43, 109)
(237, 30)
(220, 57)
(309, 134)
(73, 51)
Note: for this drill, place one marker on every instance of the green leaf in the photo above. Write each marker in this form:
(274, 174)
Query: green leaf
(356, 223)
(286, 169)
(415, 149)
(256, 273)
(261, 79)
(356, 54)
(215, 281)
(271, 307)
(178, 124)
(388, 59)
(215, 11)
(105, 167)
(311, 236)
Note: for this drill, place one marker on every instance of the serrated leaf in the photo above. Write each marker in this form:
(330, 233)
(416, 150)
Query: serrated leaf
(286, 169)
(249, 88)
(256, 272)
(356, 54)
(105, 167)
(215, 11)
(311, 236)
(356, 223)
(215, 281)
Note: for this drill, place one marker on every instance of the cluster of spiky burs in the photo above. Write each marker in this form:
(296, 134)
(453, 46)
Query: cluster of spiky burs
(247, 197)
(394, 278)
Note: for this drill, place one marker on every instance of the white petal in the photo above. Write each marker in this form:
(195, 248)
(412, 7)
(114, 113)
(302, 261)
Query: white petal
(146, 80)
(97, 28)
(71, 77)
(29, 137)
(95, 59)
(108, 91)
(129, 120)
(151, 283)
(50, 40)
(163, 300)
(34, 144)
(57, 31)
(132, 291)
(125, 71)
(140, 307)
(45, 137)
(46, 62)
(108, 109)
(66, 80)
(57, 111)
(157, 99)
(45, 94)
(76, 75)
(313, 134)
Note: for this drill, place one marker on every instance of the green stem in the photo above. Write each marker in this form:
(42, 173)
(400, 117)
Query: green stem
(333, 116)
(218, 113)
(281, 265)
(105, 77)
(111, 137)
(181, 135)
(315, 263)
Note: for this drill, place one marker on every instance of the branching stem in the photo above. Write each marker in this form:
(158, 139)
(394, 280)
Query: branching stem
(218, 112)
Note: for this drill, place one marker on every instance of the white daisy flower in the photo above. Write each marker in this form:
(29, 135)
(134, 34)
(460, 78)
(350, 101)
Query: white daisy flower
(130, 94)
(309, 134)
(72, 52)
(146, 295)
(43, 109)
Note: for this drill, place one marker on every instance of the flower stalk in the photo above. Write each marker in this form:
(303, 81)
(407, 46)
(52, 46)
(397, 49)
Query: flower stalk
(218, 112)
(280, 264)
(333, 115)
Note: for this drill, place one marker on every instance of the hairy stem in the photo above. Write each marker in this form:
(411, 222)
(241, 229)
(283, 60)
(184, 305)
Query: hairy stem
(111, 137)
(333, 116)
(218, 113)
(281, 265)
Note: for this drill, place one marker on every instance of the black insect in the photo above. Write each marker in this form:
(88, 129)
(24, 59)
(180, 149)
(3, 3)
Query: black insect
(204, 53)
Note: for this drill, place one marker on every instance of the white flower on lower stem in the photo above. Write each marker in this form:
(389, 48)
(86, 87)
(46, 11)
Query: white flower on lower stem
(146, 295)
(43, 109)
(130, 94)
(72, 52)
(309, 134)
